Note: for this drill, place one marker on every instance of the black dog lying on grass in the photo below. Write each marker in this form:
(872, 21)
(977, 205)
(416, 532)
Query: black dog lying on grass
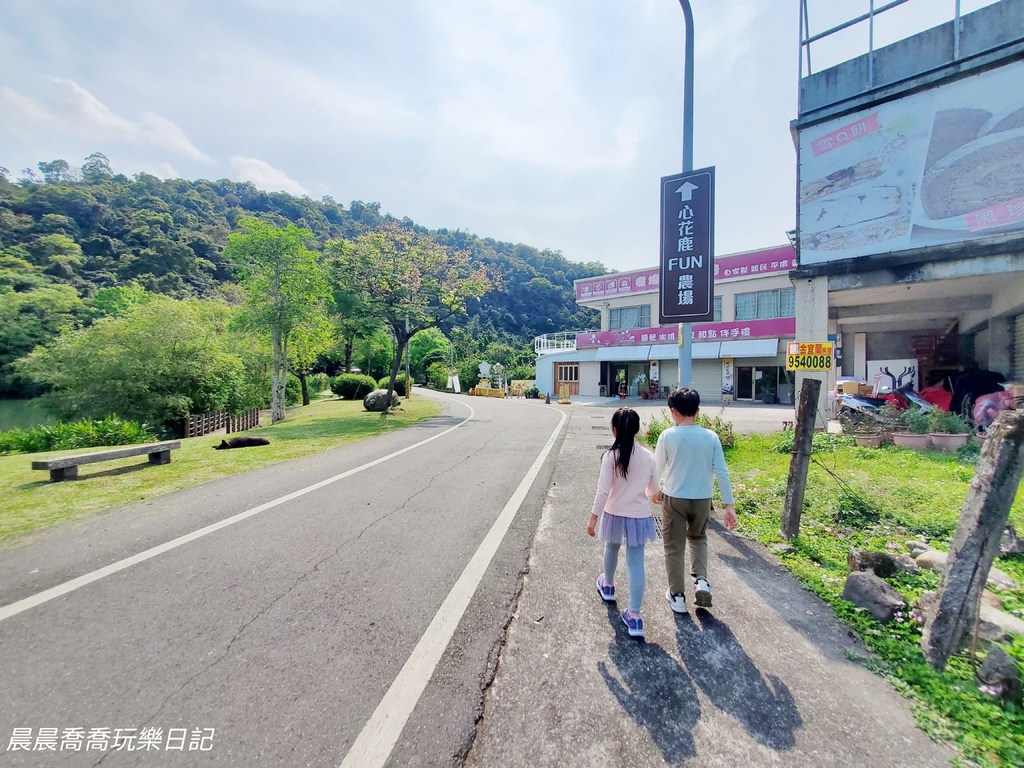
(241, 442)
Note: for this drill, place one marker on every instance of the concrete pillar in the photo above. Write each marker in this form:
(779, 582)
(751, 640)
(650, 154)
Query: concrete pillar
(860, 356)
(1000, 345)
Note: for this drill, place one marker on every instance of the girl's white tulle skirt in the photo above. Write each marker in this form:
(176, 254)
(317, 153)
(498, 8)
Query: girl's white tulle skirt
(631, 531)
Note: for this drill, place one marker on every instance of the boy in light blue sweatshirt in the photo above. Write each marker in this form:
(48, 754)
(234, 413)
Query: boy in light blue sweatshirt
(688, 459)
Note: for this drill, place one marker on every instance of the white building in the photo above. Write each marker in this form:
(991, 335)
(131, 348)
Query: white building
(743, 350)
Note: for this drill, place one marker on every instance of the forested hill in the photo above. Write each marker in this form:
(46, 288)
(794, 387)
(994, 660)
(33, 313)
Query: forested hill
(89, 228)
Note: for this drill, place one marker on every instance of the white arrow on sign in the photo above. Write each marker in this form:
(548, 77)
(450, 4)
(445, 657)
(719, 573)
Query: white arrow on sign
(686, 191)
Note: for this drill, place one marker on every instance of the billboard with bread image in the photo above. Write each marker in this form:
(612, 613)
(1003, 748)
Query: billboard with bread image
(943, 165)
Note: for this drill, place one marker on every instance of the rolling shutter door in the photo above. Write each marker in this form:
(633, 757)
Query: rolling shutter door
(1018, 348)
(981, 348)
(707, 380)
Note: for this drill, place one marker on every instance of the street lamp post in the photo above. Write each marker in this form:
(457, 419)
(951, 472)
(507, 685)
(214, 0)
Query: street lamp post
(686, 329)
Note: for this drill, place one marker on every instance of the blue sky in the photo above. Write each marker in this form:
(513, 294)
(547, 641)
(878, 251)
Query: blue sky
(547, 122)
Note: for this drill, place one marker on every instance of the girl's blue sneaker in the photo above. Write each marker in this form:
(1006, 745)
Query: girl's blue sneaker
(606, 590)
(634, 624)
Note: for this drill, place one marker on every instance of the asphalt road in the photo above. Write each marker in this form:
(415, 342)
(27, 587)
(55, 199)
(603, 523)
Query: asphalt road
(331, 585)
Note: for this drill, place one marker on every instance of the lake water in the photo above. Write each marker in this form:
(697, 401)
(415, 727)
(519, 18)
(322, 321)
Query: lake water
(22, 413)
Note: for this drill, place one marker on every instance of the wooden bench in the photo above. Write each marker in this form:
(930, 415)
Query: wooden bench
(66, 467)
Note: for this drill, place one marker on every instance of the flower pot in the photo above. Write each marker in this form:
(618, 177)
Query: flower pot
(869, 440)
(948, 442)
(910, 440)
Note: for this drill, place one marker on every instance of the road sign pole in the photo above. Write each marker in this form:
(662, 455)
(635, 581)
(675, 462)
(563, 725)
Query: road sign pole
(686, 329)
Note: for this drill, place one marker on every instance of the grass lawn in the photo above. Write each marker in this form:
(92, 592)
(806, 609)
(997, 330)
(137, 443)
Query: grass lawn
(878, 499)
(31, 501)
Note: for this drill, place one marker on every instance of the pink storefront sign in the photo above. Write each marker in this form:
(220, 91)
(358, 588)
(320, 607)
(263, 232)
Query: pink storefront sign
(756, 263)
(667, 335)
(753, 264)
(746, 329)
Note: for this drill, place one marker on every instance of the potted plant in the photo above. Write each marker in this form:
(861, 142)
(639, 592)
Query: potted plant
(915, 430)
(767, 390)
(948, 431)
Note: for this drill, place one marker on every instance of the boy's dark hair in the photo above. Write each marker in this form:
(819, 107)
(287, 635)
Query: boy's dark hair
(685, 401)
(626, 423)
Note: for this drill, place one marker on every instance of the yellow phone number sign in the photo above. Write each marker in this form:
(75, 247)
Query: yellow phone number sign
(809, 356)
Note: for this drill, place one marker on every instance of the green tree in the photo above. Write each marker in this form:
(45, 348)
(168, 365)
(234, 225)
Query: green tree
(284, 282)
(311, 338)
(29, 319)
(158, 362)
(116, 301)
(428, 346)
(410, 281)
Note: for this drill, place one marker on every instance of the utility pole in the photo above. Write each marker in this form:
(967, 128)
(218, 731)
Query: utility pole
(686, 329)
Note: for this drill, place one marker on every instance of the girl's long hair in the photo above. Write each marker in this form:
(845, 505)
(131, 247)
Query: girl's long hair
(626, 423)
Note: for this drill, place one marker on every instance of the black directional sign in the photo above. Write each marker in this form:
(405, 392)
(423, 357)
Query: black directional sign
(688, 247)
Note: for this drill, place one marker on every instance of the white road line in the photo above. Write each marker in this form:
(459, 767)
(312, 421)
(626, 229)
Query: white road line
(70, 586)
(375, 742)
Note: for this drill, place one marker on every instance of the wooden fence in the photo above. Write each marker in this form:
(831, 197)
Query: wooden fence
(197, 425)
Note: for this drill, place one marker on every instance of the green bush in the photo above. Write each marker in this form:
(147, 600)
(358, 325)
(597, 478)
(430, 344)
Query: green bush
(718, 425)
(88, 433)
(317, 383)
(400, 383)
(947, 423)
(352, 386)
(531, 392)
(469, 373)
(915, 421)
(292, 390)
(522, 373)
(437, 375)
(821, 442)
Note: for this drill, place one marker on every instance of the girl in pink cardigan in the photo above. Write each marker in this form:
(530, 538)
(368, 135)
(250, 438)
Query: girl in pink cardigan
(622, 512)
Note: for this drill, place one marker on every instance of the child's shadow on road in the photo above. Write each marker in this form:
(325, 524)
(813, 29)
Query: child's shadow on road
(653, 690)
(723, 671)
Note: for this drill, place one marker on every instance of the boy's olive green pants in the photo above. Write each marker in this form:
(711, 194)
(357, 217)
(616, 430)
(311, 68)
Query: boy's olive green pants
(685, 520)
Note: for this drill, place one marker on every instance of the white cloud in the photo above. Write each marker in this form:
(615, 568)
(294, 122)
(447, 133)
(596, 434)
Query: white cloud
(70, 110)
(264, 175)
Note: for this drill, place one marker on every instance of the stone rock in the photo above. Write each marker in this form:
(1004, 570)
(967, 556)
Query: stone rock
(1003, 621)
(994, 626)
(935, 560)
(906, 564)
(991, 599)
(915, 547)
(881, 563)
(378, 399)
(865, 590)
(999, 676)
(1010, 544)
(931, 560)
(782, 549)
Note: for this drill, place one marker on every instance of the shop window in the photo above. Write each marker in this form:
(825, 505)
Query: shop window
(624, 318)
(765, 305)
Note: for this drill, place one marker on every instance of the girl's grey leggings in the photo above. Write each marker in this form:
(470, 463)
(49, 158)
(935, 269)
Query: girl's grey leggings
(635, 566)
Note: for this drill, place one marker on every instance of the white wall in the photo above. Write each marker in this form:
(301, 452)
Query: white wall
(590, 379)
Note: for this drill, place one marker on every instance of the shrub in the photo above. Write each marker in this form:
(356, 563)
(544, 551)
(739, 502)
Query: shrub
(401, 383)
(821, 442)
(718, 425)
(352, 386)
(522, 372)
(946, 422)
(317, 383)
(88, 433)
(292, 390)
(531, 392)
(915, 421)
(437, 375)
(469, 373)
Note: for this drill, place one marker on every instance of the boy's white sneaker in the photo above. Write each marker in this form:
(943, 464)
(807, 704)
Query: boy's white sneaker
(677, 602)
(702, 593)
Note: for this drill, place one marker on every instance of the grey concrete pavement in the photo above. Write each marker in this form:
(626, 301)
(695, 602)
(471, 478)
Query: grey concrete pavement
(767, 677)
(282, 631)
(747, 418)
